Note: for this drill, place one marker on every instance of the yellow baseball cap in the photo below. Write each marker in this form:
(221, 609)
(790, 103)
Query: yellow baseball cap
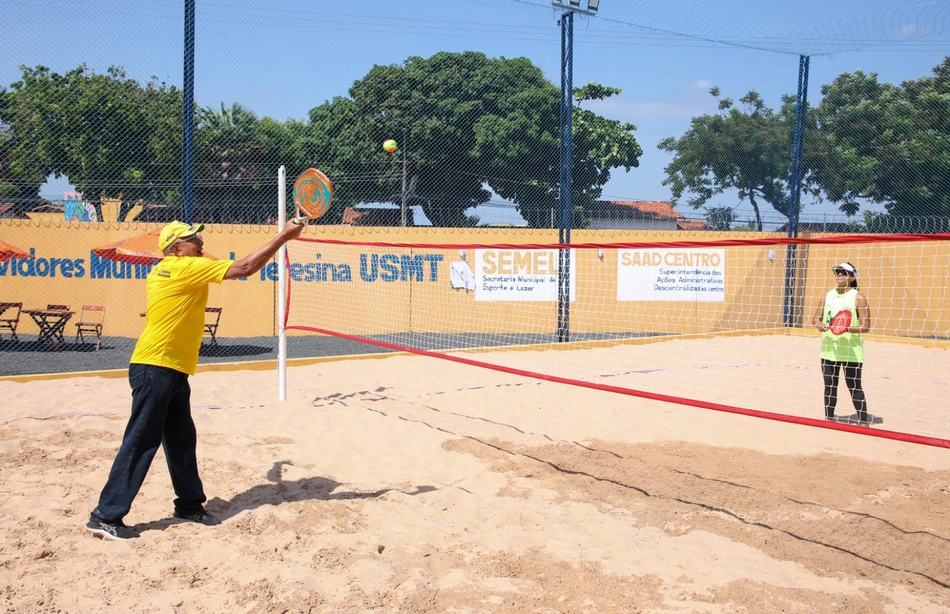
(175, 231)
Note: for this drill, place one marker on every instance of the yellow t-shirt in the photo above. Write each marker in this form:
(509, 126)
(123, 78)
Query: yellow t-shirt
(177, 293)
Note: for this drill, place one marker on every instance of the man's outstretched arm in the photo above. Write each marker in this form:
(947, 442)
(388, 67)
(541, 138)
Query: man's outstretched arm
(255, 261)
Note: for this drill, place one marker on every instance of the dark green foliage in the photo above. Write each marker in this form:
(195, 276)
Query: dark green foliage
(467, 124)
(747, 150)
(884, 143)
(866, 142)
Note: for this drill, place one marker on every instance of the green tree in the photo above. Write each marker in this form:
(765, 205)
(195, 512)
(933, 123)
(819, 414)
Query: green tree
(598, 145)
(747, 150)
(231, 184)
(108, 134)
(884, 143)
(23, 165)
(8, 182)
(468, 125)
(720, 218)
(285, 143)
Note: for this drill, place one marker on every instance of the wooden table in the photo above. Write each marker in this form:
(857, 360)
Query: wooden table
(51, 323)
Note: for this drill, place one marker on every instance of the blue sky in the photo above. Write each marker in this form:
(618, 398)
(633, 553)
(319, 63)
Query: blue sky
(283, 58)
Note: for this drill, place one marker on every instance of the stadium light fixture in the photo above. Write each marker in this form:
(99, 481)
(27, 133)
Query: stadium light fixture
(574, 6)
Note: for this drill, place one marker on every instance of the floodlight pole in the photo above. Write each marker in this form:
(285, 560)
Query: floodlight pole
(188, 114)
(795, 192)
(565, 127)
(565, 131)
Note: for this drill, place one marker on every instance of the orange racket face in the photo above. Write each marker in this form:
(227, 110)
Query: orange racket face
(313, 192)
(841, 322)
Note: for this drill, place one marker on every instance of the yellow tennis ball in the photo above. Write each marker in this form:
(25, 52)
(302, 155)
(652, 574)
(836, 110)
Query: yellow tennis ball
(389, 145)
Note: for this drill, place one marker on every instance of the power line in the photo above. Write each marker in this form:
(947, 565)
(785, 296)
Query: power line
(644, 35)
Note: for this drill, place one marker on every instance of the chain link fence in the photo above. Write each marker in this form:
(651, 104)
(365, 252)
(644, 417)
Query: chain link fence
(91, 125)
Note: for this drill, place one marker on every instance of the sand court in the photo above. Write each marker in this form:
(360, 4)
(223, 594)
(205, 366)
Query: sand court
(407, 483)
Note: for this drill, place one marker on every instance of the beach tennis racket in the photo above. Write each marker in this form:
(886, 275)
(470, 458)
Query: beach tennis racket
(313, 193)
(841, 322)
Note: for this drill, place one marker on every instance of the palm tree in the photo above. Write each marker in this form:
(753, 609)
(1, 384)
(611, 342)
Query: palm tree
(229, 166)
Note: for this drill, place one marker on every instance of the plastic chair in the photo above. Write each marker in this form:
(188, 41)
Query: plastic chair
(90, 321)
(212, 319)
(10, 319)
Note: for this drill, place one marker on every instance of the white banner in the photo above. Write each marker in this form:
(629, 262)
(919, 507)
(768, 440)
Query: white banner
(519, 275)
(671, 275)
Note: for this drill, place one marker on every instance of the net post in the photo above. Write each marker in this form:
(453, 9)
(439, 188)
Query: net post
(281, 287)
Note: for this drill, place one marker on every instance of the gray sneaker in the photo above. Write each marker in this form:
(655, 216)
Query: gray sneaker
(201, 517)
(111, 530)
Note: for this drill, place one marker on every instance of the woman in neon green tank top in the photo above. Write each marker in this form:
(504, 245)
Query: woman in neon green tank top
(846, 350)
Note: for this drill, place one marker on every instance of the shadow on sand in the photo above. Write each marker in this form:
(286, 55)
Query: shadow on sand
(281, 491)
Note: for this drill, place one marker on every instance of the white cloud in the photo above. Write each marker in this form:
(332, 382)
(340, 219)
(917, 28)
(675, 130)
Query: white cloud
(641, 110)
(702, 84)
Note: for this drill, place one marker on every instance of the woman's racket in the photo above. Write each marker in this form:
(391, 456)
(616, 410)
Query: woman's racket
(841, 322)
(313, 192)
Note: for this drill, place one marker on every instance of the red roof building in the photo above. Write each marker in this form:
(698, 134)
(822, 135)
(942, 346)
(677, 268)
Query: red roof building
(685, 224)
(640, 215)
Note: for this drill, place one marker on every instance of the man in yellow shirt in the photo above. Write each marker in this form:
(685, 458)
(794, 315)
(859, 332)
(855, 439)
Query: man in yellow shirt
(165, 355)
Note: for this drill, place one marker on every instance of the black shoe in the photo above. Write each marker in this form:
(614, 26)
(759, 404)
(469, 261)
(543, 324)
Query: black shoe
(201, 517)
(111, 530)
